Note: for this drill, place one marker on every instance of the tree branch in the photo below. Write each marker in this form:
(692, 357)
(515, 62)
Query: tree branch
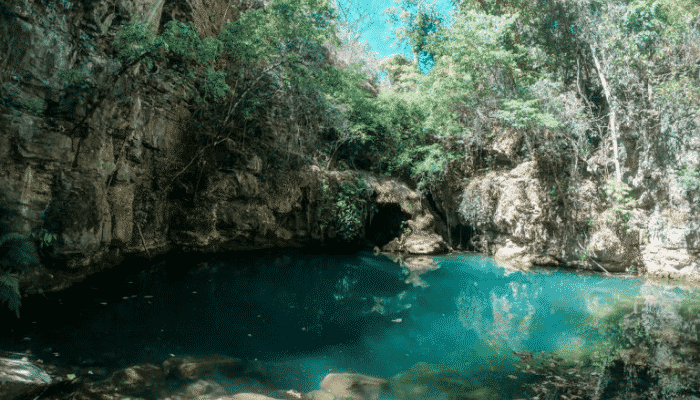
(234, 106)
(613, 116)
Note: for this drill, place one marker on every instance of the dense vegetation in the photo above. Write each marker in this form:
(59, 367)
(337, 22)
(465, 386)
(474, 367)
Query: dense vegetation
(290, 83)
(569, 78)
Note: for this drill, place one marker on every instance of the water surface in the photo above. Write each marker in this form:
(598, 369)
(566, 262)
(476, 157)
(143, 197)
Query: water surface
(339, 313)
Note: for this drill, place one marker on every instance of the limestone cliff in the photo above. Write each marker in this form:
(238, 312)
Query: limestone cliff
(518, 213)
(98, 169)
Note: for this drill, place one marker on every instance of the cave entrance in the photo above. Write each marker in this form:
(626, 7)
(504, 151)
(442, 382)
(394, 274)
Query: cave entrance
(386, 224)
(461, 237)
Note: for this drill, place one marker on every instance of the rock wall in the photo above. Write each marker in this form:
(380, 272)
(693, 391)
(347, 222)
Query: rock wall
(516, 214)
(98, 170)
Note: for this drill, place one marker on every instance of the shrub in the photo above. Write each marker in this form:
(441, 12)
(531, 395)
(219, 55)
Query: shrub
(17, 253)
(9, 291)
(689, 179)
(350, 207)
(620, 197)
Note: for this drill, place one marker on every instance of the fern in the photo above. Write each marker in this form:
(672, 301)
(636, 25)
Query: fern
(11, 236)
(9, 291)
(17, 252)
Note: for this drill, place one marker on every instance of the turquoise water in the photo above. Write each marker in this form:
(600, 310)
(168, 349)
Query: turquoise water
(312, 314)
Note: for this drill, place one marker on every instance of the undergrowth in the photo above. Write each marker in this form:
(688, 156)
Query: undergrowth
(17, 253)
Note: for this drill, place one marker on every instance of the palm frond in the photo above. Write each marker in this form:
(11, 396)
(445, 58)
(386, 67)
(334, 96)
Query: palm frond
(9, 291)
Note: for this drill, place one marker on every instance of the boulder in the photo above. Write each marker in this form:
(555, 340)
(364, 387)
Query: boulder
(21, 378)
(138, 379)
(480, 394)
(415, 266)
(246, 396)
(203, 390)
(194, 367)
(429, 381)
(513, 256)
(320, 395)
(422, 243)
(354, 386)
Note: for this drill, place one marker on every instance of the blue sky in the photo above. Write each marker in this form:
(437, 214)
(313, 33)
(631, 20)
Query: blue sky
(376, 31)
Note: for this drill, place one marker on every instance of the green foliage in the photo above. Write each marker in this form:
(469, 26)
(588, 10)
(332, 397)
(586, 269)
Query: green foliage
(43, 237)
(9, 291)
(644, 20)
(17, 252)
(181, 43)
(415, 21)
(34, 106)
(428, 163)
(350, 204)
(473, 53)
(689, 179)
(583, 256)
(402, 74)
(215, 86)
(554, 192)
(621, 200)
(134, 41)
(268, 65)
(521, 114)
(75, 77)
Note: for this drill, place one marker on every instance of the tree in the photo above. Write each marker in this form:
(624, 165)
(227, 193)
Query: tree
(414, 21)
(271, 63)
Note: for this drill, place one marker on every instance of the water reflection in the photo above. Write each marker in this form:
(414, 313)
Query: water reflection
(362, 313)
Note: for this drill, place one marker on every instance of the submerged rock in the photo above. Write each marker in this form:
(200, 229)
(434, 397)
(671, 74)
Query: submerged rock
(138, 376)
(202, 390)
(414, 267)
(479, 394)
(194, 367)
(247, 396)
(354, 386)
(429, 381)
(424, 243)
(20, 378)
(320, 395)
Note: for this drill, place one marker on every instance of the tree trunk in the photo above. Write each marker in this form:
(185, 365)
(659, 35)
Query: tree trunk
(613, 115)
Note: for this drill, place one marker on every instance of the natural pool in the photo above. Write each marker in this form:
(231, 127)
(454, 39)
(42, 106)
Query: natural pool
(311, 314)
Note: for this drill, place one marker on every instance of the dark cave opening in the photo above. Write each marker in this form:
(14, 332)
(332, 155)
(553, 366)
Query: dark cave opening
(386, 224)
(459, 235)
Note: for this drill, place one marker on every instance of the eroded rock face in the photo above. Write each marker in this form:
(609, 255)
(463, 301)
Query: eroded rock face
(354, 386)
(523, 223)
(428, 381)
(509, 209)
(669, 246)
(139, 379)
(191, 367)
(247, 396)
(419, 236)
(20, 377)
(98, 170)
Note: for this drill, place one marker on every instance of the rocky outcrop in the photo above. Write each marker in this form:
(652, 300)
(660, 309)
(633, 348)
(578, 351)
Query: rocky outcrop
(98, 168)
(21, 377)
(519, 215)
(354, 386)
(417, 223)
(212, 378)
